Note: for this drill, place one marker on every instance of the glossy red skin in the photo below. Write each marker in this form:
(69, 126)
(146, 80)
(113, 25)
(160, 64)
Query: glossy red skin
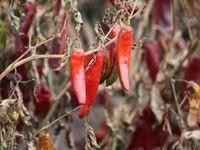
(152, 57)
(124, 47)
(112, 46)
(77, 75)
(92, 78)
(83, 111)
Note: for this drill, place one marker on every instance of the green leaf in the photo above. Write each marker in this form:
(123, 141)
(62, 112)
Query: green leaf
(66, 55)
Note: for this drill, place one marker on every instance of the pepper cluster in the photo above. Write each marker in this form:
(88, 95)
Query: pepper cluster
(101, 66)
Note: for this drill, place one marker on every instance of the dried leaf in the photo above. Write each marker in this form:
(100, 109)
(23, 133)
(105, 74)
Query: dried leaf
(76, 14)
(15, 21)
(195, 134)
(66, 55)
(92, 138)
(157, 103)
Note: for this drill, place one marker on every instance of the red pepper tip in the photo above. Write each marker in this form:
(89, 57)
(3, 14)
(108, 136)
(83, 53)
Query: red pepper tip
(83, 111)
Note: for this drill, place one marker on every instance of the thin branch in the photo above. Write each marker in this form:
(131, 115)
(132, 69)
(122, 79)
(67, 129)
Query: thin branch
(47, 126)
(180, 120)
(25, 60)
(18, 63)
(173, 25)
(139, 11)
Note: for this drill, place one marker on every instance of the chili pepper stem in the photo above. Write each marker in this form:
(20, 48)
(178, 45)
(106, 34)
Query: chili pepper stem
(184, 81)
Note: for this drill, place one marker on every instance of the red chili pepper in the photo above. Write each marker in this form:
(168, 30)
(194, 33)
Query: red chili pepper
(77, 75)
(113, 75)
(59, 49)
(22, 39)
(152, 57)
(92, 80)
(144, 127)
(42, 102)
(44, 142)
(57, 8)
(162, 13)
(106, 67)
(194, 106)
(124, 46)
(83, 111)
(92, 77)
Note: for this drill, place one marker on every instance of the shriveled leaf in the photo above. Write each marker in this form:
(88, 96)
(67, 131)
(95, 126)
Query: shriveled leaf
(92, 137)
(75, 13)
(15, 21)
(4, 106)
(66, 55)
(23, 112)
(157, 103)
(64, 60)
(78, 18)
(78, 27)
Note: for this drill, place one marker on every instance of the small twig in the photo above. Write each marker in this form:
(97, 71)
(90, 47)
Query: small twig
(47, 126)
(148, 10)
(173, 25)
(180, 120)
(177, 105)
(132, 11)
(138, 12)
